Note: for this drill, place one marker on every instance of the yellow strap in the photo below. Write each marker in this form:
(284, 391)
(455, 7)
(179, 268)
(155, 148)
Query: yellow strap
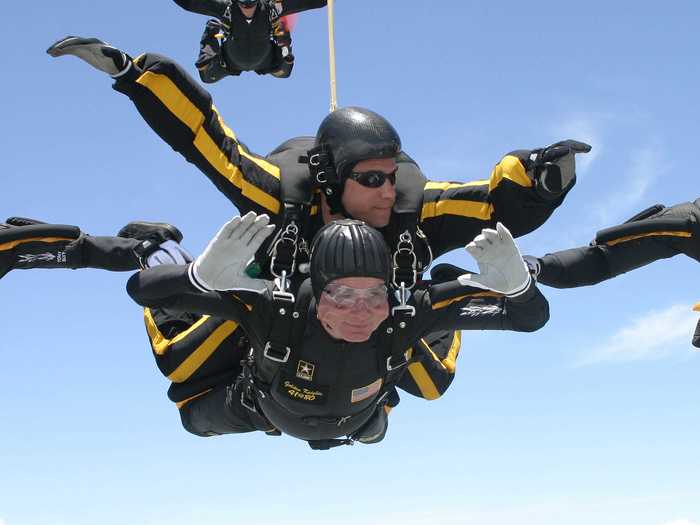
(696, 308)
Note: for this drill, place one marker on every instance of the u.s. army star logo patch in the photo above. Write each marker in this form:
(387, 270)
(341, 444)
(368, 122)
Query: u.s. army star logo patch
(305, 370)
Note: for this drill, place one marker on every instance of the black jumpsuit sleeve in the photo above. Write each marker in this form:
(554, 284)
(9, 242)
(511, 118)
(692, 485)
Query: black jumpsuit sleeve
(527, 312)
(182, 113)
(624, 248)
(169, 286)
(454, 213)
(215, 8)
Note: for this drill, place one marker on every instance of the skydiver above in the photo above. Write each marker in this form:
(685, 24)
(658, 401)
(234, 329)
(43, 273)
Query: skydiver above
(246, 35)
(655, 233)
(354, 167)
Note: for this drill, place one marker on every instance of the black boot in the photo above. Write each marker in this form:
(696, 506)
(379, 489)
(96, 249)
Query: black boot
(152, 235)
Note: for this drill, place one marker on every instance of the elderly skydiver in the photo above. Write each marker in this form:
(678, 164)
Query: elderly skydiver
(246, 35)
(355, 168)
(31, 244)
(323, 362)
(658, 232)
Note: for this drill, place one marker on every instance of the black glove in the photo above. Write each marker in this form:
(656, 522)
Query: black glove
(554, 167)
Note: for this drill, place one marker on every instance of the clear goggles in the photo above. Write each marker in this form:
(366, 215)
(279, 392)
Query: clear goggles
(346, 297)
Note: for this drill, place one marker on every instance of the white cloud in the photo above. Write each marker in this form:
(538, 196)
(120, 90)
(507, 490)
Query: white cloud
(652, 336)
(645, 166)
(682, 521)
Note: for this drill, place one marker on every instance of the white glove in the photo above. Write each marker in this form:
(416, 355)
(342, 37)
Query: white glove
(223, 263)
(168, 252)
(501, 267)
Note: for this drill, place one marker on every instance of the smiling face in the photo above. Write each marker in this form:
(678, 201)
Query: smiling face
(353, 320)
(372, 205)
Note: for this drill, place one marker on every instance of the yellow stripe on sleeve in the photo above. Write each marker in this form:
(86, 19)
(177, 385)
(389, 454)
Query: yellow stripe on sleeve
(425, 384)
(653, 234)
(11, 244)
(473, 209)
(450, 362)
(182, 403)
(190, 365)
(512, 169)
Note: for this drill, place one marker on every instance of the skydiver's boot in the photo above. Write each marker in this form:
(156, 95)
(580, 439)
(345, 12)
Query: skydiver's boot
(98, 54)
(160, 243)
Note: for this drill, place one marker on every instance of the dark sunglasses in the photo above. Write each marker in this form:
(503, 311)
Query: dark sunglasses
(248, 3)
(374, 179)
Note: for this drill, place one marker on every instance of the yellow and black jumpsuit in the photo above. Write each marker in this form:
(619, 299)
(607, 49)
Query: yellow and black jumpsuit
(190, 351)
(232, 43)
(325, 388)
(655, 233)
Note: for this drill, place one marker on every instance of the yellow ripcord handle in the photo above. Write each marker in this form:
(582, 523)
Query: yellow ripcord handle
(331, 50)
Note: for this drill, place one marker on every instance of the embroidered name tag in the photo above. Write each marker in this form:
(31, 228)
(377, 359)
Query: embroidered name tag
(359, 394)
(315, 395)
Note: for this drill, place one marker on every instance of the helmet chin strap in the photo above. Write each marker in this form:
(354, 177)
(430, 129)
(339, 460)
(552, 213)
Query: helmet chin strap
(326, 177)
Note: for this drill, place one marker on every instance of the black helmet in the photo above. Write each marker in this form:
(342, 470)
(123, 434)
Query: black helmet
(353, 134)
(348, 248)
(247, 3)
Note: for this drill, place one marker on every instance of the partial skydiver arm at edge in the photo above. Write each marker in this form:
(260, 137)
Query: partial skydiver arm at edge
(215, 8)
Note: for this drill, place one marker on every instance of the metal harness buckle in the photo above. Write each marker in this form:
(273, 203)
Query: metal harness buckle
(248, 401)
(391, 367)
(268, 355)
(289, 235)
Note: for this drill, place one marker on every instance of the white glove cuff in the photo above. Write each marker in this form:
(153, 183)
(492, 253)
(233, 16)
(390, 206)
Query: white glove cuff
(197, 281)
(522, 289)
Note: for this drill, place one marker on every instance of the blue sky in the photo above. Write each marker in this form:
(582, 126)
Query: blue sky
(593, 419)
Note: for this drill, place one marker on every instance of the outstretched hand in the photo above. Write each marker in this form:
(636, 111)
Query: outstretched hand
(555, 165)
(223, 263)
(501, 267)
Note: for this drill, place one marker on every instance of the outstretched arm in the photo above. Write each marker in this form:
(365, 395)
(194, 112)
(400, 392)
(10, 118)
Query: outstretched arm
(522, 191)
(296, 6)
(510, 300)
(215, 8)
(169, 286)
